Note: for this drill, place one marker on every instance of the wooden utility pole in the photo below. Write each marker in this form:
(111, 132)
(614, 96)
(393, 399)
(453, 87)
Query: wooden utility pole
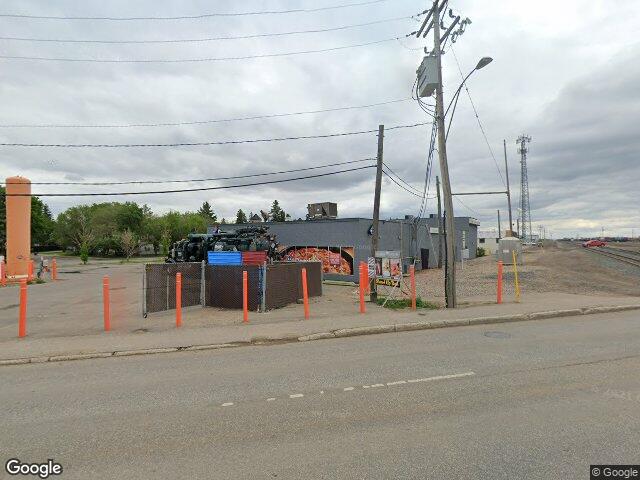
(440, 227)
(450, 266)
(376, 209)
(506, 171)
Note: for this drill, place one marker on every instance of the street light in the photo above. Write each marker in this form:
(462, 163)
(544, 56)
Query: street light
(483, 62)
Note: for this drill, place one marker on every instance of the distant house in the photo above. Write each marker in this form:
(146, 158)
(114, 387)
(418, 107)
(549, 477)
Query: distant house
(255, 218)
(488, 239)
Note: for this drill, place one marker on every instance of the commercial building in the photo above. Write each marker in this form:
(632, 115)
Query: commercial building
(342, 243)
(489, 240)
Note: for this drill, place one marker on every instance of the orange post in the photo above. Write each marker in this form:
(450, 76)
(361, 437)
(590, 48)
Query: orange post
(178, 299)
(363, 280)
(499, 300)
(245, 297)
(3, 274)
(412, 274)
(22, 322)
(305, 293)
(54, 269)
(106, 307)
(30, 271)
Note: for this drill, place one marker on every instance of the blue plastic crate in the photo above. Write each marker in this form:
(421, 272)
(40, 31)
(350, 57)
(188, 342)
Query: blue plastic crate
(224, 258)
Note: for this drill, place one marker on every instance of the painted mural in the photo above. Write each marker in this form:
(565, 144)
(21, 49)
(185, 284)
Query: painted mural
(335, 260)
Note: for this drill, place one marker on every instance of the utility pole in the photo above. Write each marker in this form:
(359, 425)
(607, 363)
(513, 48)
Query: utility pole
(506, 171)
(376, 210)
(440, 226)
(499, 226)
(450, 266)
(525, 209)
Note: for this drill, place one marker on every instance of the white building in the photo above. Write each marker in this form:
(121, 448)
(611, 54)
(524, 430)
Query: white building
(488, 239)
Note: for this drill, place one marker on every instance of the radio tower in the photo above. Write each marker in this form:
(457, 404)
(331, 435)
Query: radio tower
(525, 210)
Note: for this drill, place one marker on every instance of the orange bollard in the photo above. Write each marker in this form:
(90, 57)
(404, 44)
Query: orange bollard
(105, 303)
(499, 300)
(3, 274)
(245, 297)
(22, 322)
(305, 293)
(363, 281)
(412, 274)
(30, 271)
(178, 299)
(367, 286)
(54, 269)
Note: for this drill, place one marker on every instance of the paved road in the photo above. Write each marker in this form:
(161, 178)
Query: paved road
(528, 400)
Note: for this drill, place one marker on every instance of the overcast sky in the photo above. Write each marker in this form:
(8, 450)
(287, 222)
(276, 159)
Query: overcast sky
(565, 73)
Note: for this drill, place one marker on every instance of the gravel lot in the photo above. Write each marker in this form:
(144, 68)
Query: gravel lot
(565, 268)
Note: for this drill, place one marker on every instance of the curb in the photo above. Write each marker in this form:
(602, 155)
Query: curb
(339, 333)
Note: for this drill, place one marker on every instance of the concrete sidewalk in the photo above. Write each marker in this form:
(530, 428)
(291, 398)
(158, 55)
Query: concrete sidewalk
(376, 320)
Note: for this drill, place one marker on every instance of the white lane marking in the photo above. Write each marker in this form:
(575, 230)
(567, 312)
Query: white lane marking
(270, 399)
(321, 392)
(228, 404)
(442, 377)
(365, 386)
(297, 395)
(377, 385)
(347, 389)
(399, 382)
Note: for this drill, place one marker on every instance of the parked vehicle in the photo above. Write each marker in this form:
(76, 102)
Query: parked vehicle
(594, 243)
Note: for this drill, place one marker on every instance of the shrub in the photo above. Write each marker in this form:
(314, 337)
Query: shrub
(480, 252)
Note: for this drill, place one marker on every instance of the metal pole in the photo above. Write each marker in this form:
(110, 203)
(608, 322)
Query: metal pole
(440, 227)
(376, 209)
(450, 273)
(506, 171)
(499, 226)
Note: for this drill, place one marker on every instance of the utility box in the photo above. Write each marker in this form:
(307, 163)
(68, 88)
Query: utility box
(506, 247)
(322, 210)
(427, 76)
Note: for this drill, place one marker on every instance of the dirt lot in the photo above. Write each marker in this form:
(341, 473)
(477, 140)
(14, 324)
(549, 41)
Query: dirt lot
(564, 268)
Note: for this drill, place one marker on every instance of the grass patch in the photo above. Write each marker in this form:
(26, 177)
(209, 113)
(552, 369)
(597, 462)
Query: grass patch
(400, 303)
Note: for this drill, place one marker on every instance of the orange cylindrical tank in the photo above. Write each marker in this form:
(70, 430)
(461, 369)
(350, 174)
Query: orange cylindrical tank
(18, 226)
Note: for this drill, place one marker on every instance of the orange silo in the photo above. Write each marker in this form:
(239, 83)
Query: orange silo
(18, 226)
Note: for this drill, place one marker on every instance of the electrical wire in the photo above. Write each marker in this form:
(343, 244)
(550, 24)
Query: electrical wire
(399, 178)
(194, 180)
(475, 212)
(199, 144)
(213, 39)
(203, 122)
(478, 119)
(399, 184)
(202, 189)
(199, 16)
(199, 60)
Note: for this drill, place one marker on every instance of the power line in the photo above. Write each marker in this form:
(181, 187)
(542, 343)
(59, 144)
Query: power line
(199, 60)
(199, 144)
(203, 122)
(400, 178)
(399, 184)
(213, 39)
(202, 189)
(199, 16)
(478, 119)
(194, 180)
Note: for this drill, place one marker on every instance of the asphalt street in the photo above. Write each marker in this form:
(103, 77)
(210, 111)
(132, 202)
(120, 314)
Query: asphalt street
(536, 400)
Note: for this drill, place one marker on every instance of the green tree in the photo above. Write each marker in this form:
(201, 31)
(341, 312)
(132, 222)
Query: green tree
(129, 243)
(41, 222)
(73, 228)
(277, 213)
(241, 217)
(207, 212)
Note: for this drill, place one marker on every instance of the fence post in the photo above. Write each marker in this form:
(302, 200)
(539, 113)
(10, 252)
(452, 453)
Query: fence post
(3, 274)
(178, 299)
(22, 321)
(245, 297)
(515, 273)
(263, 303)
(412, 274)
(202, 286)
(499, 300)
(305, 293)
(362, 287)
(105, 302)
(54, 269)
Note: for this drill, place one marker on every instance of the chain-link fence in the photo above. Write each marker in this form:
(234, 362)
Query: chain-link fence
(269, 286)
